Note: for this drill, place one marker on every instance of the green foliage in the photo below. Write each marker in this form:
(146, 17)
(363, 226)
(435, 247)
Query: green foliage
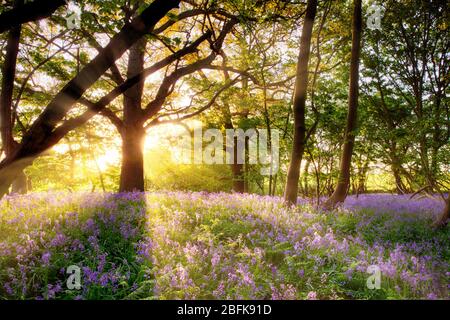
(162, 173)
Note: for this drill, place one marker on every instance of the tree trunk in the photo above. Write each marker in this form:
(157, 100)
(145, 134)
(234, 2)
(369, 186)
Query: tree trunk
(133, 133)
(6, 96)
(306, 176)
(362, 178)
(399, 185)
(238, 170)
(274, 187)
(301, 85)
(36, 140)
(132, 169)
(9, 74)
(246, 168)
(340, 193)
(238, 177)
(396, 168)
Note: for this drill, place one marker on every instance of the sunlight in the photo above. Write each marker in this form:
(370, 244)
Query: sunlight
(160, 136)
(110, 158)
(239, 150)
(61, 148)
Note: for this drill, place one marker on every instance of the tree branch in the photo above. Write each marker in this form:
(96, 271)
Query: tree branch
(157, 121)
(31, 11)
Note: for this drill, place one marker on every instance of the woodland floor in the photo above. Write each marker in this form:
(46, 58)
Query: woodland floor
(178, 245)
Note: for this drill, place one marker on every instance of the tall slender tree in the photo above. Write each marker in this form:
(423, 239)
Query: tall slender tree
(300, 94)
(340, 193)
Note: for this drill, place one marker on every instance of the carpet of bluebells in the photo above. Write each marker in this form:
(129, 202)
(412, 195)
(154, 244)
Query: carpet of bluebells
(176, 245)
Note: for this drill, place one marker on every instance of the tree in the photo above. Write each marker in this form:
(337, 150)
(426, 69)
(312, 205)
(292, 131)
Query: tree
(37, 139)
(6, 101)
(132, 131)
(132, 127)
(413, 103)
(343, 184)
(137, 118)
(301, 84)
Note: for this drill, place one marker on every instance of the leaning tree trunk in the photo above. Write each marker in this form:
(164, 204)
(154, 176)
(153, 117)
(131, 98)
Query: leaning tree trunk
(36, 140)
(133, 132)
(301, 85)
(340, 193)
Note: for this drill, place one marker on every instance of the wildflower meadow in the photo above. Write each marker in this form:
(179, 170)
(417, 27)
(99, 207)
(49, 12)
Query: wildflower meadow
(187, 245)
(218, 159)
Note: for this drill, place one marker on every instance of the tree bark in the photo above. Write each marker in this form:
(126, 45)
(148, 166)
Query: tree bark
(305, 177)
(301, 85)
(274, 187)
(9, 74)
(6, 96)
(35, 141)
(340, 193)
(238, 176)
(133, 132)
(237, 170)
(132, 169)
(399, 185)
